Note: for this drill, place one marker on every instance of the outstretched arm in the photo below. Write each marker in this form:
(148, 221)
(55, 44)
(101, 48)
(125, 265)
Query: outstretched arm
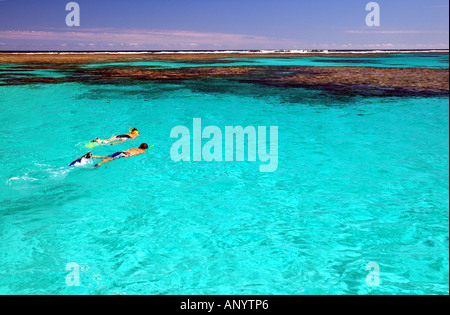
(114, 143)
(104, 161)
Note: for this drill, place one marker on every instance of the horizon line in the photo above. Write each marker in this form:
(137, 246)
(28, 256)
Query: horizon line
(228, 50)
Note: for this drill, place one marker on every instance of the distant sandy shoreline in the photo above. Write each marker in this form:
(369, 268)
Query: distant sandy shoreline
(83, 58)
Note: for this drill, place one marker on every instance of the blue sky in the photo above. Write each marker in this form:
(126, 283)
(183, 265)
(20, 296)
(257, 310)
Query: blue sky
(223, 24)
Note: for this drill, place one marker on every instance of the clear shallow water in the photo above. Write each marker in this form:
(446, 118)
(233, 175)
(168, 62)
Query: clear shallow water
(431, 61)
(359, 180)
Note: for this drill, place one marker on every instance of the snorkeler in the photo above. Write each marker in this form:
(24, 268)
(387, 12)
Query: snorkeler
(118, 139)
(124, 154)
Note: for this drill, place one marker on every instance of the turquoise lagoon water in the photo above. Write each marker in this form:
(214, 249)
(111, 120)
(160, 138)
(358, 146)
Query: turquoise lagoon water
(359, 180)
(430, 61)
